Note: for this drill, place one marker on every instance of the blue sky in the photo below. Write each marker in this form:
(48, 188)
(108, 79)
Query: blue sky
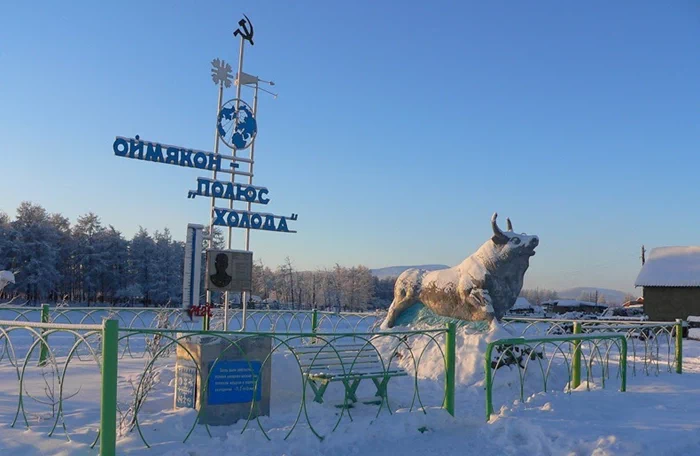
(400, 126)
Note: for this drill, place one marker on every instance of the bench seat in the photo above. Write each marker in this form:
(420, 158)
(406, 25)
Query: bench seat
(345, 363)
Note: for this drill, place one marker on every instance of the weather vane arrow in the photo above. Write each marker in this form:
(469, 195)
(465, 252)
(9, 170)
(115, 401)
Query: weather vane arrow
(245, 33)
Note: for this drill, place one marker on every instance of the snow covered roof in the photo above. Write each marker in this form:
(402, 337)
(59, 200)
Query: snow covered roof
(671, 267)
(521, 303)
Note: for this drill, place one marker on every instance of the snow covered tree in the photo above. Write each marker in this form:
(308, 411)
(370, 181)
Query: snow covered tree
(35, 250)
(142, 263)
(263, 280)
(90, 256)
(6, 242)
(7, 251)
(384, 290)
(168, 266)
(285, 281)
(116, 263)
(363, 288)
(539, 295)
(65, 264)
(93, 263)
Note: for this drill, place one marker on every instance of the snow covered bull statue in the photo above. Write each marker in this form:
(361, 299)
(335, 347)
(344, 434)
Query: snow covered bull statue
(482, 287)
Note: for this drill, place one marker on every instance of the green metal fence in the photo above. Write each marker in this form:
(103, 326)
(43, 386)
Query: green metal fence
(47, 350)
(548, 352)
(37, 351)
(654, 346)
(396, 352)
(263, 320)
(268, 320)
(42, 373)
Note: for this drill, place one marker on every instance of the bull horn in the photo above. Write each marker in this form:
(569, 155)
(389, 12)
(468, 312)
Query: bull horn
(498, 236)
(509, 225)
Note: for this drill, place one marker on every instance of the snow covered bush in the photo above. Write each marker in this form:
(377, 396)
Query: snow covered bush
(509, 355)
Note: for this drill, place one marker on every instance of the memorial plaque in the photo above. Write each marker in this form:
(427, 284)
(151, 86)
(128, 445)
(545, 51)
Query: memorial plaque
(233, 382)
(229, 270)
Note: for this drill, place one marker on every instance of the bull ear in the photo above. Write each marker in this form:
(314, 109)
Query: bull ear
(498, 236)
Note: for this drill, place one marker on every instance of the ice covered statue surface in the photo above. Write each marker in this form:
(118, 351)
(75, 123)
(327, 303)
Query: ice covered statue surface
(482, 287)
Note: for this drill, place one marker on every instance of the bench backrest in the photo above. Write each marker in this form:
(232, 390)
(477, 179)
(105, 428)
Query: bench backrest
(346, 359)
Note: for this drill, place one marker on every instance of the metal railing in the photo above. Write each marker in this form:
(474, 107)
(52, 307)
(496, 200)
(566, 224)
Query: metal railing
(395, 350)
(564, 351)
(41, 353)
(652, 344)
(47, 351)
(41, 371)
(178, 318)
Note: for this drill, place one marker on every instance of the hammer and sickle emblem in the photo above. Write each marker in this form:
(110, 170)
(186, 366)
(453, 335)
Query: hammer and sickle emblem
(245, 33)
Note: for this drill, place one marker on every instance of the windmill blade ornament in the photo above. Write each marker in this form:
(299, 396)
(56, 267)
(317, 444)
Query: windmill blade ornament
(221, 73)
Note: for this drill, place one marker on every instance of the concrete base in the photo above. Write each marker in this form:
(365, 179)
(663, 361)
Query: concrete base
(226, 385)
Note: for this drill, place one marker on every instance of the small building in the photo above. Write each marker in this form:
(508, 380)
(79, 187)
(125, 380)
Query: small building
(523, 307)
(670, 279)
(562, 306)
(631, 312)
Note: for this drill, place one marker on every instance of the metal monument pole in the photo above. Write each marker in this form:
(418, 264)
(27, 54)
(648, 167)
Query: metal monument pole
(213, 200)
(221, 74)
(250, 182)
(252, 160)
(254, 82)
(245, 35)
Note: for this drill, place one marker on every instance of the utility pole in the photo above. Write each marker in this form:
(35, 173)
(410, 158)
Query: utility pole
(644, 251)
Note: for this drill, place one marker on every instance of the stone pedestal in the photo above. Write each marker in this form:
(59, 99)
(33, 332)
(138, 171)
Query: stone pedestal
(225, 386)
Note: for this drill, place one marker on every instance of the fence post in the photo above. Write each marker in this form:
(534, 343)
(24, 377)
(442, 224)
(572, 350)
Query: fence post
(623, 365)
(44, 351)
(576, 359)
(108, 412)
(205, 319)
(488, 381)
(679, 346)
(314, 324)
(450, 337)
(314, 321)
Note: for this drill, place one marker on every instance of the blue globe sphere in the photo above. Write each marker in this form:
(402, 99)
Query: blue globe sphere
(236, 127)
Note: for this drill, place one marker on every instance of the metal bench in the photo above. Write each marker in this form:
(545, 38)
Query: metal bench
(323, 364)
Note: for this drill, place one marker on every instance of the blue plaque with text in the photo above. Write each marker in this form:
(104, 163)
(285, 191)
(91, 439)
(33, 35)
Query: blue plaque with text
(233, 382)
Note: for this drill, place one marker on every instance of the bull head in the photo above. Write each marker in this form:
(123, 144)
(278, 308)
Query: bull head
(512, 243)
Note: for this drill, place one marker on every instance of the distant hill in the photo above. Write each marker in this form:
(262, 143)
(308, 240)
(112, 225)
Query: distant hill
(395, 271)
(611, 296)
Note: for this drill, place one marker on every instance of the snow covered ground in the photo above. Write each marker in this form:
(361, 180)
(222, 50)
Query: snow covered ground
(659, 415)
